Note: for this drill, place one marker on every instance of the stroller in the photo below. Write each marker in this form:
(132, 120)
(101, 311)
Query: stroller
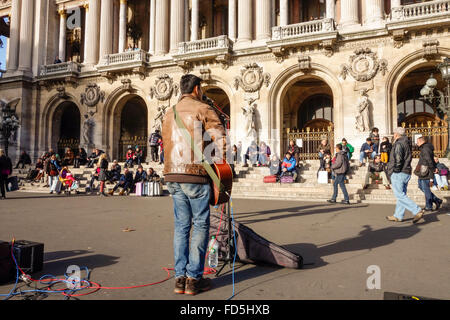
(68, 181)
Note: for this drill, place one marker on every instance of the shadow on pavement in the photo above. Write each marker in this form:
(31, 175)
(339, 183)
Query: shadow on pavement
(367, 239)
(294, 212)
(57, 255)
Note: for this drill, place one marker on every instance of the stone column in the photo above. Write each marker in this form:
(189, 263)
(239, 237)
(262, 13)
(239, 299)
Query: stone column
(195, 20)
(14, 37)
(86, 30)
(245, 16)
(152, 26)
(176, 24)
(186, 20)
(62, 34)
(284, 12)
(123, 25)
(396, 3)
(162, 27)
(374, 11)
(26, 35)
(331, 9)
(349, 12)
(106, 28)
(263, 18)
(92, 37)
(232, 19)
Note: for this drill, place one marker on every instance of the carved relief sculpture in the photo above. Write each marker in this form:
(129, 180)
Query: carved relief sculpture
(252, 78)
(159, 118)
(92, 96)
(250, 119)
(164, 88)
(364, 65)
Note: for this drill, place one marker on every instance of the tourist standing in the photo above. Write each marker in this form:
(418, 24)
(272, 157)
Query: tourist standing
(154, 144)
(5, 171)
(426, 168)
(399, 168)
(103, 175)
(340, 168)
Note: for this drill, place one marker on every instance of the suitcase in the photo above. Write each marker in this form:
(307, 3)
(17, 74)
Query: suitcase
(58, 186)
(139, 189)
(287, 179)
(154, 189)
(270, 179)
(12, 184)
(145, 189)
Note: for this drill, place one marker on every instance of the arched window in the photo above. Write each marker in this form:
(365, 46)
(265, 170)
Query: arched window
(315, 107)
(411, 102)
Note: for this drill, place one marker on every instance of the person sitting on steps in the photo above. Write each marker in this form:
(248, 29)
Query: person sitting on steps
(367, 151)
(377, 169)
(125, 182)
(289, 166)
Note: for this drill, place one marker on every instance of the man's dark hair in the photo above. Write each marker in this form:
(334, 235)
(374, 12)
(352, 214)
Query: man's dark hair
(344, 140)
(287, 153)
(375, 129)
(188, 83)
(339, 146)
(369, 139)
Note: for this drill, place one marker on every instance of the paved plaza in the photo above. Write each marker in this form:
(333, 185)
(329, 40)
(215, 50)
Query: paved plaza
(338, 244)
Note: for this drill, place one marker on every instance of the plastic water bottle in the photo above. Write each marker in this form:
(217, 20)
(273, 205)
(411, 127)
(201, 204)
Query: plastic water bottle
(213, 250)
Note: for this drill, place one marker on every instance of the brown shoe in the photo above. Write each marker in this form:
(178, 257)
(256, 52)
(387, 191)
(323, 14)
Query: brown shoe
(180, 284)
(111, 192)
(196, 286)
(388, 187)
(418, 216)
(122, 193)
(394, 219)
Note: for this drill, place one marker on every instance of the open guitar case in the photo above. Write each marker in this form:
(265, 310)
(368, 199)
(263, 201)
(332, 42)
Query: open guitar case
(251, 248)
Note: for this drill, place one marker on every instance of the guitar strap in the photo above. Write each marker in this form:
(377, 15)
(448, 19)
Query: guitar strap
(198, 154)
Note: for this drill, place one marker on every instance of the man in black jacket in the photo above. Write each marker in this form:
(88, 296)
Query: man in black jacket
(154, 144)
(426, 161)
(399, 168)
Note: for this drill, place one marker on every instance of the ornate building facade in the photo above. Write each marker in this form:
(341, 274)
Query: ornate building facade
(280, 69)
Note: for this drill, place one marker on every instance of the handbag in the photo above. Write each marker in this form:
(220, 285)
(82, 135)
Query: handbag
(322, 177)
(421, 171)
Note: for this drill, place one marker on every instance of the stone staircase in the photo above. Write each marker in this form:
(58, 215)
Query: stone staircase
(248, 184)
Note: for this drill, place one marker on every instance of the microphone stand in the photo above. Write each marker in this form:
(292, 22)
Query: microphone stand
(230, 247)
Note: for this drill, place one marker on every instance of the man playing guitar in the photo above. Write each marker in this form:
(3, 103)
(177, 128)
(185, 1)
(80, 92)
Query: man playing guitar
(188, 181)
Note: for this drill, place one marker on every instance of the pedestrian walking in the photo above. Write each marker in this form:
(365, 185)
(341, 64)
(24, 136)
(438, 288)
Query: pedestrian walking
(340, 168)
(426, 168)
(399, 169)
(5, 170)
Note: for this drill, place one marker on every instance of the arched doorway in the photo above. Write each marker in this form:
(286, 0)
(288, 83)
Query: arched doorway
(133, 126)
(66, 127)
(308, 115)
(221, 99)
(417, 114)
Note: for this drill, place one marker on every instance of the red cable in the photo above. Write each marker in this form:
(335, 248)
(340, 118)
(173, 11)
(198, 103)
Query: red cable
(98, 287)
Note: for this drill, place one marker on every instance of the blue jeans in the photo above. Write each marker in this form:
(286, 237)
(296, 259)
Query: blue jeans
(362, 155)
(191, 205)
(424, 186)
(399, 182)
(339, 181)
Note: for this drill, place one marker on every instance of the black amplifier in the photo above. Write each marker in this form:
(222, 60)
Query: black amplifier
(29, 255)
(6, 263)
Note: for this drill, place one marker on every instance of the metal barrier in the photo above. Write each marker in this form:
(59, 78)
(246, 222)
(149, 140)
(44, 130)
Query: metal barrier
(436, 133)
(309, 140)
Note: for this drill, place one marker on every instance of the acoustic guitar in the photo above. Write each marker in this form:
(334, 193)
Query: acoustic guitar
(221, 193)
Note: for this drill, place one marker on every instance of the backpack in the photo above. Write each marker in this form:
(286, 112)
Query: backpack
(154, 138)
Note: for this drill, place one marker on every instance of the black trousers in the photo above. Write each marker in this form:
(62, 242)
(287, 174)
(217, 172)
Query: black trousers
(3, 180)
(154, 150)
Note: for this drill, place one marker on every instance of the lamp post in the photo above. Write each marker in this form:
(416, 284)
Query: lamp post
(9, 122)
(430, 93)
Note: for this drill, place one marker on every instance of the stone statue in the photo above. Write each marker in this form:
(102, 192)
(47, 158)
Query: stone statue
(250, 119)
(88, 125)
(363, 117)
(159, 118)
